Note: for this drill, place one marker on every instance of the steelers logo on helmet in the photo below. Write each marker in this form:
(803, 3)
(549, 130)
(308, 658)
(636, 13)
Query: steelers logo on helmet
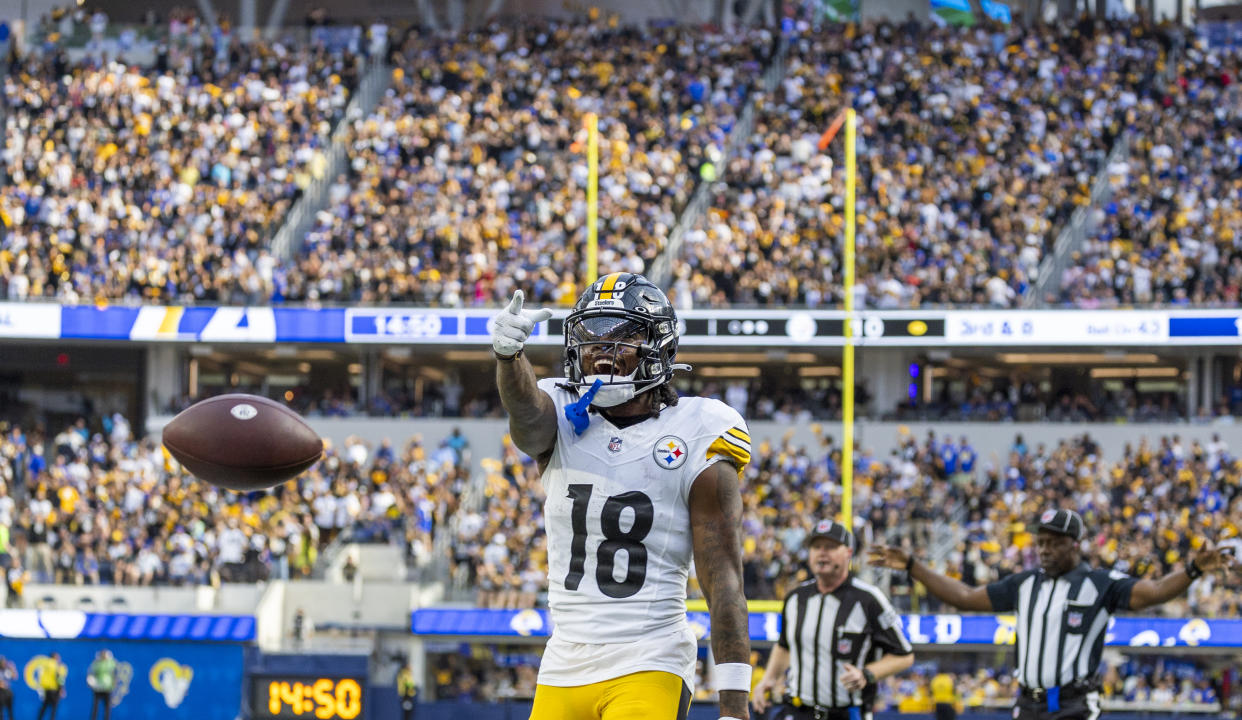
(624, 327)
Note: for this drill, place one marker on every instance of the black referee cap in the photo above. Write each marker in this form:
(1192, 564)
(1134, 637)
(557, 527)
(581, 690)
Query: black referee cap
(1062, 522)
(833, 531)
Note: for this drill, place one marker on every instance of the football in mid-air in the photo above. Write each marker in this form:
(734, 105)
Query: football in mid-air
(242, 442)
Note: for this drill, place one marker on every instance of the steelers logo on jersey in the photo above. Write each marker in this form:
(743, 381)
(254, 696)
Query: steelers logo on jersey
(670, 452)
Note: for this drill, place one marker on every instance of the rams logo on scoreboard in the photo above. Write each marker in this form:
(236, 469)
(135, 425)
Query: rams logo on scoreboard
(1195, 632)
(526, 622)
(172, 680)
(1006, 630)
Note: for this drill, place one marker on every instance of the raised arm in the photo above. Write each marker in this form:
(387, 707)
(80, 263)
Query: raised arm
(1147, 593)
(954, 592)
(532, 414)
(716, 525)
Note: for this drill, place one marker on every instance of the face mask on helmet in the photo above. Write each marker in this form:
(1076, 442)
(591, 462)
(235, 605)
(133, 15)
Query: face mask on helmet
(609, 347)
(623, 334)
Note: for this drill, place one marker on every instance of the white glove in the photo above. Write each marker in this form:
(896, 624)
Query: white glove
(512, 327)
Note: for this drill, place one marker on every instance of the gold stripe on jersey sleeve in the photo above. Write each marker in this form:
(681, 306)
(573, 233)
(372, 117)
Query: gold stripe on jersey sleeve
(735, 454)
(734, 441)
(605, 291)
(739, 434)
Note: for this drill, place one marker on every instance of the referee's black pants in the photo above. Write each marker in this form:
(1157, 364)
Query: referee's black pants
(789, 711)
(1081, 706)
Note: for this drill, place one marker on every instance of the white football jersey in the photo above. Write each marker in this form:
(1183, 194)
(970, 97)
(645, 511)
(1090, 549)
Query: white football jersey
(617, 516)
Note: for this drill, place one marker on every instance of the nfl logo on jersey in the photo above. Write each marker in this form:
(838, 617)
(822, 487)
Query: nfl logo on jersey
(844, 645)
(614, 445)
(1074, 619)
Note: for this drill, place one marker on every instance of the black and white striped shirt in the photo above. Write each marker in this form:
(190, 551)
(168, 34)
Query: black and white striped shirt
(853, 624)
(1061, 621)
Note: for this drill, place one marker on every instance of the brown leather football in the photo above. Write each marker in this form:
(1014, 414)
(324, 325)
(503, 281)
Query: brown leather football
(242, 442)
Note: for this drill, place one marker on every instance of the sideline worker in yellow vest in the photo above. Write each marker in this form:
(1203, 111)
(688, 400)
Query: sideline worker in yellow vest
(945, 696)
(408, 690)
(52, 682)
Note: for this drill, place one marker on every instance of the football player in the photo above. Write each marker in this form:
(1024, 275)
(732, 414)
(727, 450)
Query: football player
(636, 481)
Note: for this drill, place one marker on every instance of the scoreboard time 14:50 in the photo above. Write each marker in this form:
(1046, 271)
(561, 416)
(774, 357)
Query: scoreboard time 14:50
(323, 698)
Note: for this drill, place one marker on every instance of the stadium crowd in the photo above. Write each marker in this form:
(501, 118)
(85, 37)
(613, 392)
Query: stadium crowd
(1171, 233)
(94, 505)
(974, 149)
(165, 183)
(469, 178)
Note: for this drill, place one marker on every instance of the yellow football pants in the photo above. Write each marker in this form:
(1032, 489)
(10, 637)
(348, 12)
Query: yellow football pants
(650, 695)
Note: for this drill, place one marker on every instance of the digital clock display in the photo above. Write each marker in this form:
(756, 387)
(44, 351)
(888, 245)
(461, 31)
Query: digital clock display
(324, 698)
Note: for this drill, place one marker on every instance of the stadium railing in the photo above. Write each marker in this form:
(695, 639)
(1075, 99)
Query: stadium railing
(301, 216)
(1071, 238)
(661, 271)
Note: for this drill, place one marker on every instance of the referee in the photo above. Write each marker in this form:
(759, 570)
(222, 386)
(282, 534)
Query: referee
(1062, 612)
(839, 635)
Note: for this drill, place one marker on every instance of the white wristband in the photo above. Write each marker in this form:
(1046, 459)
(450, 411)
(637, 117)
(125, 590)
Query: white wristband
(726, 717)
(732, 676)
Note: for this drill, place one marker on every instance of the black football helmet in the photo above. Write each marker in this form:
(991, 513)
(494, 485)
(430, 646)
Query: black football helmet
(613, 309)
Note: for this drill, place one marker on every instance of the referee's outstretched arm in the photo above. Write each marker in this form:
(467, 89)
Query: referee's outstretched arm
(1147, 593)
(954, 592)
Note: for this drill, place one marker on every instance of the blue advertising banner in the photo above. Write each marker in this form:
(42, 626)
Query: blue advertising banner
(305, 325)
(155, 680)
(76, 625)
(1229, 326)
(921, 629)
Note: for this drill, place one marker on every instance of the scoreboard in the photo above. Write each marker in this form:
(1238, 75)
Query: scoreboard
(307, 696)
(722, 328)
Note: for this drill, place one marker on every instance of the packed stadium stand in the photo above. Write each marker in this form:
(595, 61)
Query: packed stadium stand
(94, 505)
(970, 165)
(1169, 235)
(189, 164)
(973, 155)
(164, 183)
(467, 180)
